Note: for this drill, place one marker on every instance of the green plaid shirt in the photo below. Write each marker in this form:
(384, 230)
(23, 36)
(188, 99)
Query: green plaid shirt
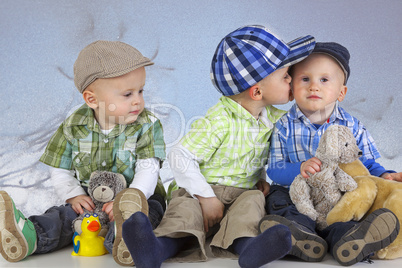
(230, 144)
(79, 144)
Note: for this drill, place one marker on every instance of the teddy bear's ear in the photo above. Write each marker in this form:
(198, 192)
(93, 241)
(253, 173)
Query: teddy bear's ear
(122, 179)
(94, 174)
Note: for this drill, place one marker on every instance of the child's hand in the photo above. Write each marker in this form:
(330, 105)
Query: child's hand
(108, 208)
(80, 201)
(212, 211)
(263, 186)
(312, 166)
(392, 176)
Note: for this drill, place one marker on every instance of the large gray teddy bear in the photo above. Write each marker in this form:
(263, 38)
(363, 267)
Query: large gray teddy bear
(317, 195)
(103, 188)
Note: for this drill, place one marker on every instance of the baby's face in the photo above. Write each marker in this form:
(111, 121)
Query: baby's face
(120, 99)
(317, 83)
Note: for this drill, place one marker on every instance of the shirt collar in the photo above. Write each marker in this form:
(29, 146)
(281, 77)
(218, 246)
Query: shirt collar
(236, 108)
(83, 116)
(296, 113)
(268, 116)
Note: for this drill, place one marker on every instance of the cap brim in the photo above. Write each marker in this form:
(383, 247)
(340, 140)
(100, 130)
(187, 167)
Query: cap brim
(120, 71)
(300, 48)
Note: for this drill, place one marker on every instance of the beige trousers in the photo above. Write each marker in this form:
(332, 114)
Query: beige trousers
(243, 210)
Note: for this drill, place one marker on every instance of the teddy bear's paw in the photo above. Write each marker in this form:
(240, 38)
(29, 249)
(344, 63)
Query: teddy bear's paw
(354, 205)
(103, 232)
(322, 225)
(321, 222)
(307, 209)
(333, 197)
(338, 215)
(77, 226)
(311, 213)
(391, 252)
(349, 186)
(381, 254)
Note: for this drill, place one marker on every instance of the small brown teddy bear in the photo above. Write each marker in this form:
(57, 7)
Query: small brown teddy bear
(103, 186)
(317, 195)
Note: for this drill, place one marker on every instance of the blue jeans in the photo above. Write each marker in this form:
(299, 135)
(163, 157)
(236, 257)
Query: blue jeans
(54, 227)
(278, 202)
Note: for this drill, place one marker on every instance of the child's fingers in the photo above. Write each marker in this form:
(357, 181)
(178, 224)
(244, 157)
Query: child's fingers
(395, 176)
(107, 207)
(90, 202)
(266, 191)
(88, 205)
(310, 170)
(78, 209)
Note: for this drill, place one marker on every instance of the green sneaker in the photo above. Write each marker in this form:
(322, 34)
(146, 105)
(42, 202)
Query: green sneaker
(17, 233)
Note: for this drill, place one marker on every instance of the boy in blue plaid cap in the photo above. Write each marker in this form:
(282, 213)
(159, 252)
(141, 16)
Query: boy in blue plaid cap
(318, 84)
(219, 164)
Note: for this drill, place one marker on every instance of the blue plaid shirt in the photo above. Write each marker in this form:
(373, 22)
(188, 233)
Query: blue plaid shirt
(295, 139)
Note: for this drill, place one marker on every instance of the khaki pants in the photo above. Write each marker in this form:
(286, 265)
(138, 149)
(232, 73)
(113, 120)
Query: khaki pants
(243, 210)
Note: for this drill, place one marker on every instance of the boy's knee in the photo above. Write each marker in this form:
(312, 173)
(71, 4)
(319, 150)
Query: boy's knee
(257, 194)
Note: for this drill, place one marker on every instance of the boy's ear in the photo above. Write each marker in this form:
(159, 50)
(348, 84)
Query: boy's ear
(90, 98)
(255, 92)
(342, 94)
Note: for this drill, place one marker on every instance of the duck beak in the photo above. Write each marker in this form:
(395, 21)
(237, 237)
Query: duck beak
(93, 226)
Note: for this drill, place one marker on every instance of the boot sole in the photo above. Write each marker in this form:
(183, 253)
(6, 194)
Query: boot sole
(127, 202)
(306, 246)
(13, 246)
(376, 232)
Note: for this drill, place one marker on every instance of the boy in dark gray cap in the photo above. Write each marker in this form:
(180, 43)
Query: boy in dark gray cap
(219, 163)
(318, 84)
(111, 132)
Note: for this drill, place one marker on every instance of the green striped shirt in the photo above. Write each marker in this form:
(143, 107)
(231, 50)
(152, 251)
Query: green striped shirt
(230, 144)
(79, 144)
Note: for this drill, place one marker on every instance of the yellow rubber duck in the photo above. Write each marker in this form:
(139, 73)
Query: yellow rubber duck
(89, 243)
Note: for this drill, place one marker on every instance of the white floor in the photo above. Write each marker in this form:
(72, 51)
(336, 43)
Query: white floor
(63, 258)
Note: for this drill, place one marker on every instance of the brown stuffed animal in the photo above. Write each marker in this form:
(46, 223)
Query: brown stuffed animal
(316, 195)
(103, 188)
(371, 194)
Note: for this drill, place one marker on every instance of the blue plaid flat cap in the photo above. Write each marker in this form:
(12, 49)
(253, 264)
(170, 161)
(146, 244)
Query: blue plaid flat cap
(249, 54)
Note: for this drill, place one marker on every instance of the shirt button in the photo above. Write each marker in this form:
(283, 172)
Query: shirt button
(77, 160)
(104, 163)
